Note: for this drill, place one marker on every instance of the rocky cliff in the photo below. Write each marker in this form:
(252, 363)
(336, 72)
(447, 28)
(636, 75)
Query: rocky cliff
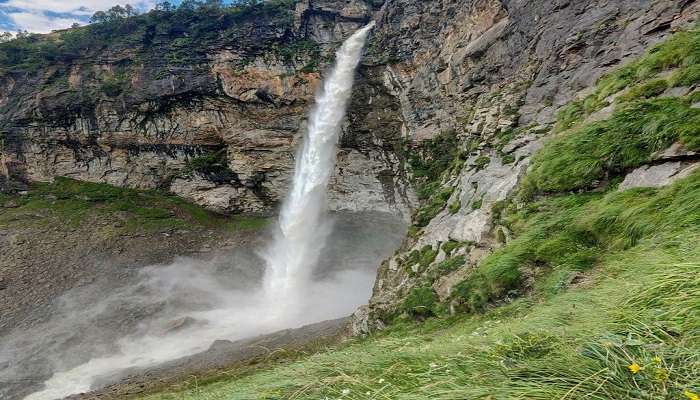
(471, 86)
(214, 119)
(493, 74)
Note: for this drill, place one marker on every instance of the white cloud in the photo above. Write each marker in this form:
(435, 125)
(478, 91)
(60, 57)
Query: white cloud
(40, 22)
(74, 6)
(39, 15)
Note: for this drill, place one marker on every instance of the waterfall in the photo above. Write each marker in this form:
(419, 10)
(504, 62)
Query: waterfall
(289, 299)
(302, 223)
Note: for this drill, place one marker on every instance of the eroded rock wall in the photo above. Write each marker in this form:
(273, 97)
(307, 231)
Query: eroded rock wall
(495, 72)
(242, 97)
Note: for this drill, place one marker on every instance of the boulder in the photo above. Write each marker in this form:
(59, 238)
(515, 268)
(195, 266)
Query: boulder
(658, 175)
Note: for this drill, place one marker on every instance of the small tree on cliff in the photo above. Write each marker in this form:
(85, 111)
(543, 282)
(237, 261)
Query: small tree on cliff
(115, 13)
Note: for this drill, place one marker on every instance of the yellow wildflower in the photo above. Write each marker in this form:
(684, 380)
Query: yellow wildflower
(661, 375)
(634, 368)
(691, 395)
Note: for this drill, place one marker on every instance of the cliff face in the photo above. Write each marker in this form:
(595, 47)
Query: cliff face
(492, 73)
(217, 125)
(221, 130)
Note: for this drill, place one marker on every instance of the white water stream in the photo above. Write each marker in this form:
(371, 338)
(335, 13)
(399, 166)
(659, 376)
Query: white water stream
(303, 228)
(290, 296)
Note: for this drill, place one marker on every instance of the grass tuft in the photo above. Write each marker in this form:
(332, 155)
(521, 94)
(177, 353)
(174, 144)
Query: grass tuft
(583, 157)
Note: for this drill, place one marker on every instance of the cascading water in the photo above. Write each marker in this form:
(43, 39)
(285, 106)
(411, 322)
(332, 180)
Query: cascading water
(303, 228)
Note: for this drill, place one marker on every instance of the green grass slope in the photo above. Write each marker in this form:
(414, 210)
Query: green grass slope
(75, 202)
(609, 281)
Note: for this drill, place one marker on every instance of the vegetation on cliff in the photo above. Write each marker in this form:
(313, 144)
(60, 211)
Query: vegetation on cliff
(430, 162)
(183, 33)
(597, 295)
(642, 122)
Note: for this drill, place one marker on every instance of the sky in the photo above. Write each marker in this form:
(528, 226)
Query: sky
(43, 16)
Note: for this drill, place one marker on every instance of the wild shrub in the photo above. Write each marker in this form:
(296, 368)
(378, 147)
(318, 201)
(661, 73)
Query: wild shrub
(451, 264)
(213, 165)
(113, 86)
(481, 162)
(437, 203)
(420, 302)
(450, 246)
(422, 258)
(432, 157)
(455, 207)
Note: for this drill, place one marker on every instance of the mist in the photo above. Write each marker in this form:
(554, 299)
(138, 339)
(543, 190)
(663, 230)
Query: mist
(139, 318)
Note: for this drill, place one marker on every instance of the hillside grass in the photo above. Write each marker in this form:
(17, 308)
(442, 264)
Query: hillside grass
(75, 202)
(584, 155)
(679, 55)
(641, 307)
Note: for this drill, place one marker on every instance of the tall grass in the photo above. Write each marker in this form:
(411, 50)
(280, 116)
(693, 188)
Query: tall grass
(583, 157)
